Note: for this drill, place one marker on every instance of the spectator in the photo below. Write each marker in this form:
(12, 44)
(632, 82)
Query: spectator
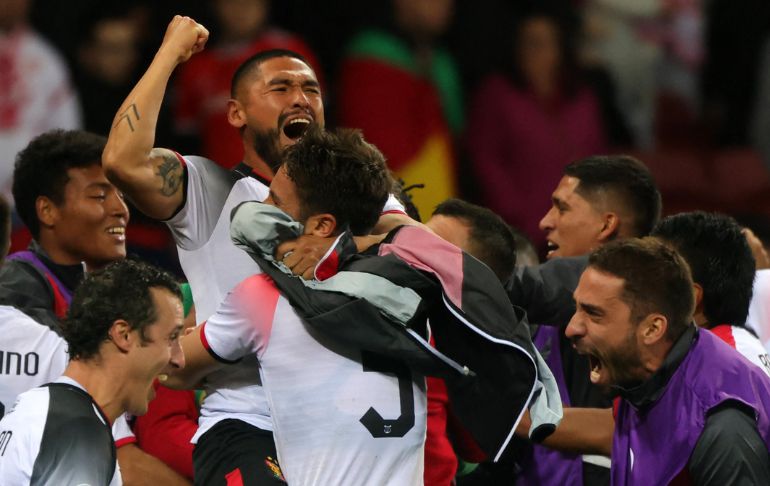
(35, 90)
(528, 122)
(402, 88)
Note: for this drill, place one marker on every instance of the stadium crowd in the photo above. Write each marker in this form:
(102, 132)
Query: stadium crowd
(424, 242)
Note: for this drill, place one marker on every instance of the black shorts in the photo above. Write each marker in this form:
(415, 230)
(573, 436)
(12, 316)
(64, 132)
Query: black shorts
(234, 453)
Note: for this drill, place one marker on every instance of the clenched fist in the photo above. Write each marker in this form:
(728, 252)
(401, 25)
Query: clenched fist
(184, 37)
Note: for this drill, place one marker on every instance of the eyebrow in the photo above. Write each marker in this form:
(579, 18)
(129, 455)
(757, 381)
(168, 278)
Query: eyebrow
(100, 185)
(557, 201)
(288, 81)
(591, 309)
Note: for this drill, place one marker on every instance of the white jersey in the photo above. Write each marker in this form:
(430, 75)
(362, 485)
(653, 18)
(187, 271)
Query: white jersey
(31, 354)
(759, 309)
(745, 343)
(56, 435)
(340, 416)
(213, 265)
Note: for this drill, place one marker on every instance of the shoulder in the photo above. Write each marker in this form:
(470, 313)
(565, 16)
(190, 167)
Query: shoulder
(730, 448)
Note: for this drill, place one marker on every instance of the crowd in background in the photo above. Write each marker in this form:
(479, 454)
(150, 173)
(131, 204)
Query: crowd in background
(483, 99)
(519, 106)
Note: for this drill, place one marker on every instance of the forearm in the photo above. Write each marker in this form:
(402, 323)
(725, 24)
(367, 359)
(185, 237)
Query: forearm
(581, 431)
(151, 178)
(584, 431)
(139, 468)
(132, 135)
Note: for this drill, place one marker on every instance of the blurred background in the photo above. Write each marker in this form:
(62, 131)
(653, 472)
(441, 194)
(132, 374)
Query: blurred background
(485, 99)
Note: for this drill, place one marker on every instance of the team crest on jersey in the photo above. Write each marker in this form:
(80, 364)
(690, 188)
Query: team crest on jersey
(275, 469)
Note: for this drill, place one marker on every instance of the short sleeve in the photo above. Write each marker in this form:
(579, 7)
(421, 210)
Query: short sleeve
(122, 432)
(206, 191)
(243, 322)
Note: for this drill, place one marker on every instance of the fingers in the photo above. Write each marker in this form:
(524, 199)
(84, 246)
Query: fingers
(185, 37)
(283, 249)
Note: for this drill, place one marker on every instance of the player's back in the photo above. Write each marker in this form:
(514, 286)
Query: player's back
(340, 416)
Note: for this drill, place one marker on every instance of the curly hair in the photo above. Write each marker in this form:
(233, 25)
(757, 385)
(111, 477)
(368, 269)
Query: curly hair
(341, 174)
(121, 290)
(41, 169)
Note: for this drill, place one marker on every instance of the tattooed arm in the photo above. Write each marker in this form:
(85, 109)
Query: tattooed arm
(151, 177)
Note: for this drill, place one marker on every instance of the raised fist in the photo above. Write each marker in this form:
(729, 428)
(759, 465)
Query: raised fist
(184, 37)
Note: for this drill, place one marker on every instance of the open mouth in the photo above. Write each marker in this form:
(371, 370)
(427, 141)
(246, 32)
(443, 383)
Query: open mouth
(118, 231)
(551, 248)
(294, 129)
(596, 368)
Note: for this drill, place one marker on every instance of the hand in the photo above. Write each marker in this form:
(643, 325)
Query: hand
(303, 254)
(184, 37)
(757, 249)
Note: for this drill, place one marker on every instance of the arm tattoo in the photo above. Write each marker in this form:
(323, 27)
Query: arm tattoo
(171, 171)
(126, 115)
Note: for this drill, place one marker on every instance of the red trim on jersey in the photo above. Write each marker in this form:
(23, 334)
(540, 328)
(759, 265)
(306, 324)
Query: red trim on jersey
(234, 478)
(207, 347)
(615, 407)
(393, 211)
(725, 333)
(181, 159)
(328, 267)
(124, 441)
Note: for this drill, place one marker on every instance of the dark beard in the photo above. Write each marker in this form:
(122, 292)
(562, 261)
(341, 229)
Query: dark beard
(268, 147)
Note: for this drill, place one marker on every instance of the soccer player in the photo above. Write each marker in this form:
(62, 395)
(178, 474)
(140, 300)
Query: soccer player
(326, 398)
(275, 97)
(691, 408)
(598, 200)
(723, 269)
(122, 332)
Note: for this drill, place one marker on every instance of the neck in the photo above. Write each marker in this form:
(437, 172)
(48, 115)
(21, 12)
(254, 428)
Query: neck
(102, 381)
(56, 253)
(253, 160)
(654, 357)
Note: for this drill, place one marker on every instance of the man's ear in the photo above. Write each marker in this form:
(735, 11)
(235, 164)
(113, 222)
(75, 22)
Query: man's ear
(698, 291)
(323, 225)
(653, 328)
(236, 115)
(47, 211)
(610, 227)
(121, 335)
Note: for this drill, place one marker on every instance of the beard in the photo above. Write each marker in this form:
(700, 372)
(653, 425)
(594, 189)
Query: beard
(268, 146)
(624, 364)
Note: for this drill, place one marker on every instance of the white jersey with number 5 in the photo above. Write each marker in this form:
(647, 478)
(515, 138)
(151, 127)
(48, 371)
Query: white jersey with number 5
(340, 416)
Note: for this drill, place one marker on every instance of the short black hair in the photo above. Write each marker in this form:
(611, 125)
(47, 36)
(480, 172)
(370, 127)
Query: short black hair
(41, 169)
(338, 172)
(251, 64)
(626, 179)
(121, 290)
(720, 260)
(492, 240)
(656, 280)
